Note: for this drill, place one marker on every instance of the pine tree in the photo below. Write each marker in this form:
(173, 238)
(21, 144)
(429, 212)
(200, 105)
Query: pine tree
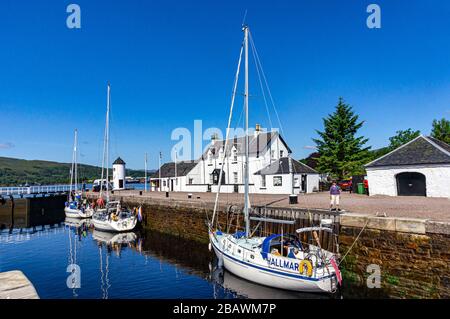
(441, 130)
(342, 154)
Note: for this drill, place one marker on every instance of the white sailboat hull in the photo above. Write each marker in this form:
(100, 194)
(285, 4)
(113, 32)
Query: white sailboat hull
(122, 225)
(78, 213)
(260, 272)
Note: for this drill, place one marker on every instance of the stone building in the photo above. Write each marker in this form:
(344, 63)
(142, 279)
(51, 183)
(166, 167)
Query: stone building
(420, 167)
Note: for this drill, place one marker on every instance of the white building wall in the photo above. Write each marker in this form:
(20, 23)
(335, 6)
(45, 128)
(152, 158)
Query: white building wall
(312, 183)
(382, 181)
(201, 173)
(119, 174)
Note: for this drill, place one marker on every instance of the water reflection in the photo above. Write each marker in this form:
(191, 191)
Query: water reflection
(140, 264)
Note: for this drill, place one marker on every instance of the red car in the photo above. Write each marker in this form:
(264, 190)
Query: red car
(345, 185)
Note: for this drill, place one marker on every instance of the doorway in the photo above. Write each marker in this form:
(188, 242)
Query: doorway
(411, 184)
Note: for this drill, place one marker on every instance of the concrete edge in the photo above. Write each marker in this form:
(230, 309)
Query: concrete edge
(399, 224)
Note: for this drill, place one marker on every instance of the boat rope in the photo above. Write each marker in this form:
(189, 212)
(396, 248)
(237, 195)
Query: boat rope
(265, 81)
(353, 244)
(261, 84)
(233, 96)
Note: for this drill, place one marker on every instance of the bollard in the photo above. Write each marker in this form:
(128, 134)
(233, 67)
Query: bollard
(167, 194)
(293, 199)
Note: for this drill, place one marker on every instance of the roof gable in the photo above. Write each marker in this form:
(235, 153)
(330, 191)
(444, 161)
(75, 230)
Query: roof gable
(119, 161)
(258, 144)
(168, 169)
(420, 151)
(281, 166)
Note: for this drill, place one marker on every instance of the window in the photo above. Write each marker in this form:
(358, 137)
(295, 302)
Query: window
(164, 183)
(296, 182)
(211, 178)
(190, 181)
(277, 181)
(273, 154)
(236, 177)
(235, 159)
(281, 153)
(263, 181)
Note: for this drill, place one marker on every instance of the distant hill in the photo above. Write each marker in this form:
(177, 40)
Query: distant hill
(14, 172)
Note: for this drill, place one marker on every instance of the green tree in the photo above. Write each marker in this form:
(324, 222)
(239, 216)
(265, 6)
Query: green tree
(441, 130)
(402, 137)
(342, 154)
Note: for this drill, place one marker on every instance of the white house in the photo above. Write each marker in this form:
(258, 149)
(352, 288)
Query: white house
(119, 174)
(271, 170)
(418, 168)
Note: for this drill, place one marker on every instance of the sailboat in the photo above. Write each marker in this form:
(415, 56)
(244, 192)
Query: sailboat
(278, 260)
(111, 215)
(74, 207)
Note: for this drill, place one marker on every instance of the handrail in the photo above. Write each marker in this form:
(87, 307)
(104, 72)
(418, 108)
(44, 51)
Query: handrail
(28, 190)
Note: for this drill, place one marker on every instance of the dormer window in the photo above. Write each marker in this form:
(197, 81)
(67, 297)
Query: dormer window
(281, 153)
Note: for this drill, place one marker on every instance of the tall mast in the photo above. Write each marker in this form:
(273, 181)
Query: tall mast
(73, 166)
(76, 159)
(159, 171)
(246, 168)
(107, 141)
(176, 158)
(145, 173)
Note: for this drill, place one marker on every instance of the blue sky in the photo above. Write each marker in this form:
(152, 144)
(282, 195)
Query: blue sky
(172, 62)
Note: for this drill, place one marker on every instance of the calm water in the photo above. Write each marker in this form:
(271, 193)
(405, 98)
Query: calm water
(143, 264)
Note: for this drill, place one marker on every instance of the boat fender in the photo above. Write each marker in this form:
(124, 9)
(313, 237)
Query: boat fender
(209, 247)
(309, 268)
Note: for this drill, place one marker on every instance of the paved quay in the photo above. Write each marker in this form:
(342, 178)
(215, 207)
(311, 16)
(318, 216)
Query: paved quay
(435, 209)
(15, 285)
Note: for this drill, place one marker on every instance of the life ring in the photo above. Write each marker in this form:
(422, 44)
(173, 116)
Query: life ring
(309, 267)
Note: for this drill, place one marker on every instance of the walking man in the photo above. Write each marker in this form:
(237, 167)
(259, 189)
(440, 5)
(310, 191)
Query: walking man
(335, 192)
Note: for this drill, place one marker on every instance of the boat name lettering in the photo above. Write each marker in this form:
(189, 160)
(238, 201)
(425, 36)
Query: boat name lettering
(287, 264)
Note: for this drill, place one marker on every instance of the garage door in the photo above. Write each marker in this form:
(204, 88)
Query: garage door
(411, 184)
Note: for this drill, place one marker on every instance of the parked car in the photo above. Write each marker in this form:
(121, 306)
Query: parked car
(345, 185)
(97, 183)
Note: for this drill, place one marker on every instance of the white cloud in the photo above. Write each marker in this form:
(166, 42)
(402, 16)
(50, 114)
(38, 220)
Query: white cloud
(309, 147)
(6, 146)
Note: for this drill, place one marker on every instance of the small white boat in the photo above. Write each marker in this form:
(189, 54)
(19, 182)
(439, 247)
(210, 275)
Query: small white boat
(113, 219)
(258, 259)
(277, 260)
(74, 208)
(78, 213)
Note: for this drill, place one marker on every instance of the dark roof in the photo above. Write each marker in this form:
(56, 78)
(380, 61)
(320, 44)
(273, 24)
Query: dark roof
(119, 161)
(281, 166)
(257, 144)
(168, 169)
(420, 151)
(440, 143)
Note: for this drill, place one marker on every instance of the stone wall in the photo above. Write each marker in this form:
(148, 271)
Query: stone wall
(413, 255)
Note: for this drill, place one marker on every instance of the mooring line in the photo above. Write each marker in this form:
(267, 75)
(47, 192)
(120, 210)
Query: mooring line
(357, 237)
